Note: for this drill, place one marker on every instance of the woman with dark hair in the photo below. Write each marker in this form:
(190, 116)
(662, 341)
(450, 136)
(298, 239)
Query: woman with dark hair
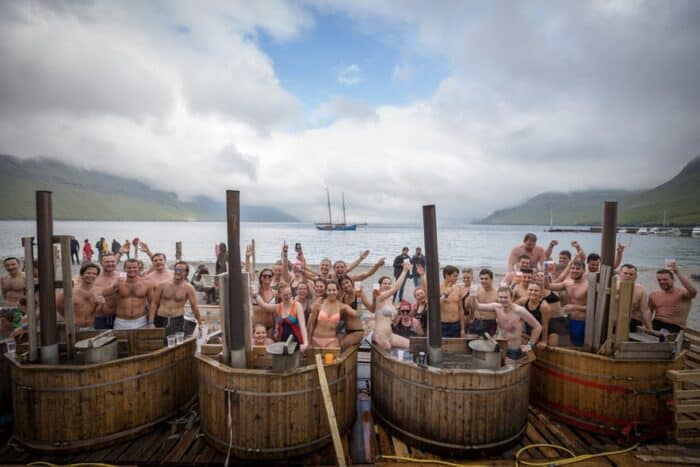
(266, 295)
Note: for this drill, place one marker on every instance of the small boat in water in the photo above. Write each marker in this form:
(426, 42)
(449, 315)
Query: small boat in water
(330, 225)
(643, 231)
(695, 232)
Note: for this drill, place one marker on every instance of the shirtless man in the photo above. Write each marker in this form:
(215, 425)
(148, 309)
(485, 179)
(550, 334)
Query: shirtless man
(564, 258)
(451, 314)
(131, 296)
(523, 263)
(159, 271)
(510, 318)
(529, 247)
(520, 290)
(104, 319)
(640, 304)
(168, 307)
(577, 295)
(670, 305)
(383, 335)
(86, 299)
(484, 321)
(13, 285)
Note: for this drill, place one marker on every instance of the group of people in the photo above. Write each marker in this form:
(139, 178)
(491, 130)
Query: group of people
(538, 297)
(104, 298)
(102, 247)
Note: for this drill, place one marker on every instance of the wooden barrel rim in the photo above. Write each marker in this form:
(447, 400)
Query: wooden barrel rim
(97, 385)
(415, 383)
(595, 356)
(543, 363)
(441, 444)
(89, 366)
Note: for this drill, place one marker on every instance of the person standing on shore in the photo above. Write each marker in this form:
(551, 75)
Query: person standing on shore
(74, 251)
(398, 270)
(104, 317)
(418, 259)
(670, 306)
(87, 251)
(529, 247)
(116, 246)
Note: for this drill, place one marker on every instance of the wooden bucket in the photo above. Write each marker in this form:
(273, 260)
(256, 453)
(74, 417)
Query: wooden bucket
(450, 411)
(273, 415)
(626, 398)
(63, 408)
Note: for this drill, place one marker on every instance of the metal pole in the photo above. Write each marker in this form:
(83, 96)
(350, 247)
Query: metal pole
(432, 271)
(609, 236)
(47, 297)
(68, 312)
(235, 320)
(31, 305)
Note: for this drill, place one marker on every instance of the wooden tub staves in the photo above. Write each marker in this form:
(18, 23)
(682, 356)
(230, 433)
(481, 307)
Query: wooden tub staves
(69, 407)
(450, 411)
(623, 398)
(274, 415)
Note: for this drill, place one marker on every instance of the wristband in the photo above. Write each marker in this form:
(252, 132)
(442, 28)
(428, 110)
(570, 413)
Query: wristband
(530, 344)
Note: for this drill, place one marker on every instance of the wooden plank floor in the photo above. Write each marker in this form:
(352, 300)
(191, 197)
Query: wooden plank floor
(179, 442)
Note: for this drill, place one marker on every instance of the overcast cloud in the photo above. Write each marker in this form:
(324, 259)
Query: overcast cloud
(556, 95)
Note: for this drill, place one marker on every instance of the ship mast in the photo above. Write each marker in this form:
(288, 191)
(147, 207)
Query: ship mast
(344, 221)
(328, 198)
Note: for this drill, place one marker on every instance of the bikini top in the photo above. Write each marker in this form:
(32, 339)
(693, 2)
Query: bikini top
(323, 316)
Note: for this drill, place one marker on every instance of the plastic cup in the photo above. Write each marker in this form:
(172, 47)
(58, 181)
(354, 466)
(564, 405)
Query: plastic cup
(399, 354)
(171, 341)
(328, 358)
(204, 331)
(122, 275)
(358, 286)
(406, 261)
(11, 347)
(669, 262)
(375, 287)
(179, 337)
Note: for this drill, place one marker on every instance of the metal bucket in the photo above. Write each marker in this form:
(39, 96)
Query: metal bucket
(98, 349)
(285, 355)
(486, 355)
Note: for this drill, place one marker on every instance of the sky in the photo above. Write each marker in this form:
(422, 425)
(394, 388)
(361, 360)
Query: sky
(471, 106)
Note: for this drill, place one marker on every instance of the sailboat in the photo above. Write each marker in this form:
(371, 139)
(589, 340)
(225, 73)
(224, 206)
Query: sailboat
(330, 225)
(665, 230)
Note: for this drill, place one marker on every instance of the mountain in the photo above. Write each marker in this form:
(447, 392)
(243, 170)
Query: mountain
(679, 197)
(91, 195)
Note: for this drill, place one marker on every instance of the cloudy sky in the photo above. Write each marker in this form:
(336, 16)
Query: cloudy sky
(471, 105)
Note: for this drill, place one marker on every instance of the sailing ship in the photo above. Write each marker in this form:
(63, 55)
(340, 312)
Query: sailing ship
(666, 231)
(330, 225)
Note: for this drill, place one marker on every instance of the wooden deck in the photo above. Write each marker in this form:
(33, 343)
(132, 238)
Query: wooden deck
(179, 442)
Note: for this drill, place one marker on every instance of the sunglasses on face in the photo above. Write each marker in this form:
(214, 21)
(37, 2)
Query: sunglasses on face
(266, 276)
(180, 270)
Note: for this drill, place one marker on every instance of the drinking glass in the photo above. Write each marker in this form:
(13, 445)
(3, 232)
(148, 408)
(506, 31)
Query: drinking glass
(179, 337)
(171, 341)
(11, 347)
(358, 286)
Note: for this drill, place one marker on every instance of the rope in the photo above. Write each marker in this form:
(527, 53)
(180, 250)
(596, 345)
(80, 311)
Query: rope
(429, 461)
(572, 460)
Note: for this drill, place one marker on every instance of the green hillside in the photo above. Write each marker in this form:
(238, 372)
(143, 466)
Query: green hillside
(679, 197)
(89, 195)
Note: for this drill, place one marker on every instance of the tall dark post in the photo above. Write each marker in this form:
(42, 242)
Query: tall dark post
(235, 321)
(47, 298)
(432, 271)
(607, 247)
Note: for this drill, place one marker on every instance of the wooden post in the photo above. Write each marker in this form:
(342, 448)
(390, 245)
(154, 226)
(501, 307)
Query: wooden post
(178, 251)
(47, 297)
(432, 273)
(234, 320)
(601, 307)
(608, 347)
(31, 307)
(330, 412)
(590, 312)
(226, 341)
(247, 319)
(609, 233)
(68, 312)
(624, 313)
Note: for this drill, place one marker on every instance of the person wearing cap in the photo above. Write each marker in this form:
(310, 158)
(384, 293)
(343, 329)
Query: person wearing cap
(405, 324)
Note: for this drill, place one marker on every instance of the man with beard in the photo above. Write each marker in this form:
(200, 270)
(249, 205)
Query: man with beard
(670, 306)
(131, 296)
(640, 304)
(13, 289)
(577, 295)
(86, 301)
(168, 307)
(104, 318)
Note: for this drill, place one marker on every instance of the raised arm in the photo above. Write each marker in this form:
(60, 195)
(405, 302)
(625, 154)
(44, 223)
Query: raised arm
(536, 328)
(269, 307)
(144, 247)
(285, 263)
(192, 296)
(366, 302)
(548, 251)
(618, 255)
(370, 272)
(397, 284)
(357, 261)
(302, 326)
(692, 291)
